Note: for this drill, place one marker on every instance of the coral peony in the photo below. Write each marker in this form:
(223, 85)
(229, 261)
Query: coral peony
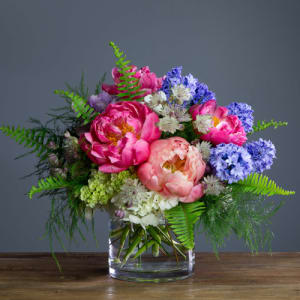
(120, 137)
(148, 81)
(174, 168)
(222, 128)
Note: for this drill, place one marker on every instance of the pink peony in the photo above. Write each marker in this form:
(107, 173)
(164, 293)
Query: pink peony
(225, 128)
(120, 137)
(148, 81)
(173, 169)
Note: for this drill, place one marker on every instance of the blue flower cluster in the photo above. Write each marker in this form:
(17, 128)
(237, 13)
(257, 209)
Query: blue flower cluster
(244, 112)
(262, 153)
(200, 92)
(231, 162)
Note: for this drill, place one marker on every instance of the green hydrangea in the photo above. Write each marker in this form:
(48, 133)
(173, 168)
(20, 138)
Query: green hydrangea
(102, 187)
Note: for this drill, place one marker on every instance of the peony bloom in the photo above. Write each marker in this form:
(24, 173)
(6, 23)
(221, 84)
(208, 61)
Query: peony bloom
(173, 169)
(223, 128)
(120, 137)
(149, 82)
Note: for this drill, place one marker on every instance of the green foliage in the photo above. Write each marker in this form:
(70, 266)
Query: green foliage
(128, 86)
(260, 184)
(262, 125)
(79, 105)
(52, 183)
(188, 133)
(37, 139)
(244, 214)
(182, 219)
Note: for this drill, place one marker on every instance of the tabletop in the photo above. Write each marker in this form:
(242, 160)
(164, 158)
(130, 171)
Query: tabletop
(85, 276)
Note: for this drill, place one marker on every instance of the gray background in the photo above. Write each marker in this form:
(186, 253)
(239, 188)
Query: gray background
(244, 50)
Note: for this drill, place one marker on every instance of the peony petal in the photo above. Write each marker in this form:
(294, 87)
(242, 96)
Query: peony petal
(108, 168)
(150, 132)
(141, 152)
(195, 194)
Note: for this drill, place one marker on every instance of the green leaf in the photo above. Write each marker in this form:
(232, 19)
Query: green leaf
(182, 219)
(260, 184)
(262, 125)
(52, 183)
(79, 105)
(128, 87)
(30, 138)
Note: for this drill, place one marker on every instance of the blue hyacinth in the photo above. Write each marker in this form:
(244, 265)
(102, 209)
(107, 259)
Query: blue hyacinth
(231, 162)
(262, 153)
(244, 112)
(199, 91)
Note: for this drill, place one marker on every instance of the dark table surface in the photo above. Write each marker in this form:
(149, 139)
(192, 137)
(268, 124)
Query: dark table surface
(85, 276)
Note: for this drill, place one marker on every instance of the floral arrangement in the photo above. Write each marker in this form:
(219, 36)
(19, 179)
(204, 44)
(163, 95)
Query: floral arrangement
(159, 154)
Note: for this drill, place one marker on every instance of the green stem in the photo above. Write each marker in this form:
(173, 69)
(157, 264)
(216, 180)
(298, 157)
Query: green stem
(136, 240)
(123, 239)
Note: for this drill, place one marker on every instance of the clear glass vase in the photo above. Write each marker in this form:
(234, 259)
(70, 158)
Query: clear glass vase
(147, 254)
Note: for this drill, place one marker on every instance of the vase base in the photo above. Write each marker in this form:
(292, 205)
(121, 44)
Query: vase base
(148, 277)
(152, 270)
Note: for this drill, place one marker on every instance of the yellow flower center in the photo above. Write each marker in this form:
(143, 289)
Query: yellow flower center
(177, 165)
(216, 121)
(124, 128)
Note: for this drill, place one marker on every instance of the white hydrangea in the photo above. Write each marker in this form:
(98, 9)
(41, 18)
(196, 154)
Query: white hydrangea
(180, 93)
(213, 186)
(140, 205)
(203, 123)
(169, 124)
(204, 148)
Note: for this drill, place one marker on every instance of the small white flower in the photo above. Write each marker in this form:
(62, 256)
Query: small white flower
(203, 123)
(169, 124)
(156, 101)
(181, 93)
(213, 186)
(204, 148)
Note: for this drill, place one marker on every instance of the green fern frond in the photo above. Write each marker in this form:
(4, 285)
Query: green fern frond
(30, 138)
(79, 104)
(51, 183)
(128, 86)
(260, 184)
(182, 219)
(262, 125)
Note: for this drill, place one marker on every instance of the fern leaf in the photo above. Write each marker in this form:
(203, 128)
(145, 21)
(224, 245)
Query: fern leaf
(50, 183)
(128, 87)
(29, 138)
(260, 184)
(262, 125)
(79, 104)
(182, 219)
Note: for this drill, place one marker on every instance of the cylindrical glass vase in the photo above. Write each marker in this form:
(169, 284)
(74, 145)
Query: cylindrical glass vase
(147, 254)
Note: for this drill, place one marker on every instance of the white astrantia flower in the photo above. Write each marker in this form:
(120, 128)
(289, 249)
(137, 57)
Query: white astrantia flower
(181, 93)
(203, 123)
(156, 101)
(213, 186)
(140, 205)
(178, 112)
(204, 148)
(169, 124)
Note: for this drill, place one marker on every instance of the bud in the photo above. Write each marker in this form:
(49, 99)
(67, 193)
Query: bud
(53, 160)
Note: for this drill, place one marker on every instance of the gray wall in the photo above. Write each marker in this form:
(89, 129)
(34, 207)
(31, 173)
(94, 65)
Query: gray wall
(244, 50)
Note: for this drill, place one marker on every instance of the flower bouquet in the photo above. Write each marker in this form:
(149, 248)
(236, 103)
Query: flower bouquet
(163, 159)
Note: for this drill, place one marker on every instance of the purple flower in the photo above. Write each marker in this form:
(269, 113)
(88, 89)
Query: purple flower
(203, 94)
(262, 153)
(100, 102)
(231, 162)
(199, 91)
(244, 112)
